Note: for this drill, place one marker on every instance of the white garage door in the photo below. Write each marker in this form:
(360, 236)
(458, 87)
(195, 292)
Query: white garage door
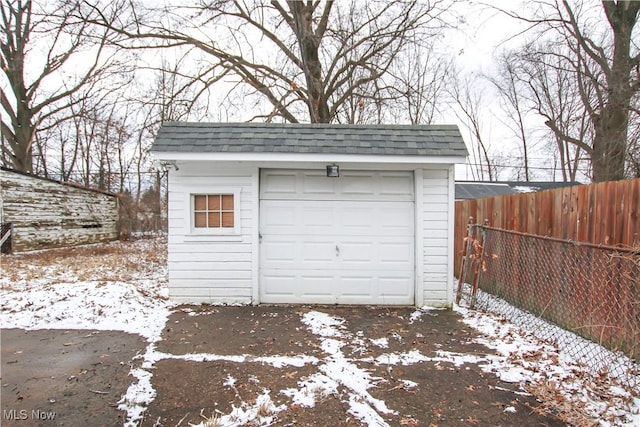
(346, 240)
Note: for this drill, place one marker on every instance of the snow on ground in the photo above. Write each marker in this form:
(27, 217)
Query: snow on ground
(122, 286)
(575, 348)
(550, 372)
(119, 286)
(75, 293)
(98, 305)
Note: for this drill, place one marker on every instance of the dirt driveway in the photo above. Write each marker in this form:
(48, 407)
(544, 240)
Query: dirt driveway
(338, 366)
(65, 377)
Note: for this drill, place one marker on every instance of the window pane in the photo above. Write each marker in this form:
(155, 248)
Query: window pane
(200, 219)
(227, 219)
(227, 202)
(200, 203)
(214, 219)
(214, 202)
(213, 210)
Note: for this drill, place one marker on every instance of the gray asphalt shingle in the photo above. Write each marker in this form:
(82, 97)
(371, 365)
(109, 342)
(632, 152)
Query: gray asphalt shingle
(396, 140)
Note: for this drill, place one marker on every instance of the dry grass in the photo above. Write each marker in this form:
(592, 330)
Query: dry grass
(265, 408)
(554, 402)
(115, 261)
(212, 421)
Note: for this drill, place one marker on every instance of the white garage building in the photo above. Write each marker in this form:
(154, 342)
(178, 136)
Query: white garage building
(310, 213)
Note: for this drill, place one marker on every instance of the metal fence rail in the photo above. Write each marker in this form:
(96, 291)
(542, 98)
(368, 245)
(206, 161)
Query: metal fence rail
(147, 225)
(560, 289)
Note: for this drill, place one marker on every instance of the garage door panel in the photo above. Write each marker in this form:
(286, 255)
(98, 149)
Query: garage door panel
(316, 185)
(395, 286)
(352, 221)
(396, 185)
(324, 288)
(351, 185)
(314, 253)
(319, 217)
(281, 183)
(316, 284)
(275, 215)
(360, 286)
(348, 240)
(280, 284)
(358, 185)
(362, 253)
(396, 220)
(298, 285)
(281, 251)
(292, 252)
(394, 253)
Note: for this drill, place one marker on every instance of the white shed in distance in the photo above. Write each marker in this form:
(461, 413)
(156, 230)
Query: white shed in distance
(310, 213)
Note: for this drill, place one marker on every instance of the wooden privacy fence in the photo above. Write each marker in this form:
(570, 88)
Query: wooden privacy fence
(607, 213)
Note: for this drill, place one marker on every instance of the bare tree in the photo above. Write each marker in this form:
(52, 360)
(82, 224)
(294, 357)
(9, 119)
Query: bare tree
(512, 93)
(39, 45)
(604, 63)
(309, 60)
(468, 105)
(419, 80)
(555, 95)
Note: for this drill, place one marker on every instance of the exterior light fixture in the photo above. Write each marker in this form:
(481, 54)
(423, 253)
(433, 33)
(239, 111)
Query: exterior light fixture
(333, 171)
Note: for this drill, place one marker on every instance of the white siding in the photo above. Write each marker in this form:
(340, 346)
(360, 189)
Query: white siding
(436, 221)
(224, 268)
(208, 267)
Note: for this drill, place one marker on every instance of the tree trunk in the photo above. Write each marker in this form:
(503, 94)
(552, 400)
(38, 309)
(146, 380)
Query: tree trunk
(309, 46)
(610, 143)
(610, 140)
(23, 155)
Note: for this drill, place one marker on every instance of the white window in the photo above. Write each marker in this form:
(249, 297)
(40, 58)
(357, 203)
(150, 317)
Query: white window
(215, 213)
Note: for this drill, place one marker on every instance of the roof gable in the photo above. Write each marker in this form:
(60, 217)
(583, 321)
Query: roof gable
(388, 140)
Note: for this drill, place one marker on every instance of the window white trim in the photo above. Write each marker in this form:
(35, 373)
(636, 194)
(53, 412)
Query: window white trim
(214, 231)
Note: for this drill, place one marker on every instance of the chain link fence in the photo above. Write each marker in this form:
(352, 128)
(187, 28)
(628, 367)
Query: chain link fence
(143, 225)
(584, 298)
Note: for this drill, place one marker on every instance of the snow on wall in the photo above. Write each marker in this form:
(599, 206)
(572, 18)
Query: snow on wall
(48, 214)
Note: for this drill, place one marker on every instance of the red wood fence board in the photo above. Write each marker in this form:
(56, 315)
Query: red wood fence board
(605, 213)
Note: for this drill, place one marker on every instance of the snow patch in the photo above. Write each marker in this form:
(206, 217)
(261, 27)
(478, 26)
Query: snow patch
(408, 384)
(112, 306)
(262, 412)
(323, 324)
(417, 315)
(380, 342)
(229, 381)
(317, 386)
(138, 396)
(364, 412)
(342, 370)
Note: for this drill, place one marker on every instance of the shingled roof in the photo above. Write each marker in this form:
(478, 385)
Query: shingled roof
(394, 140)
